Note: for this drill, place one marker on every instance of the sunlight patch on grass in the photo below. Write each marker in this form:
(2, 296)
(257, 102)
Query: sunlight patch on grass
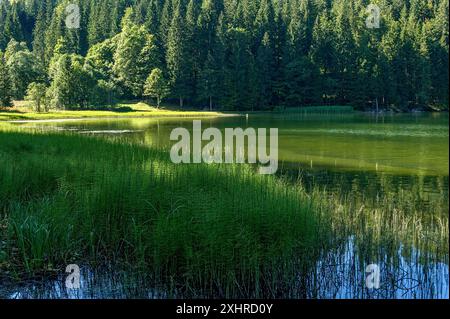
(120, 110)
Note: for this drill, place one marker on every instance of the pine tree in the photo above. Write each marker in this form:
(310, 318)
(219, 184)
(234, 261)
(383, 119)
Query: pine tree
(177, 57)
(265, 21)
(240, 74)
(344, 47)
(12, 25)
(265, 70)
(323, 55)
(209, 81)
(5, 83)
(39, 32)
(165, 23)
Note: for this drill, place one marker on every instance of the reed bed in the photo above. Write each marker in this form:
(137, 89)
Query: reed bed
(404, 233)
(71, 199)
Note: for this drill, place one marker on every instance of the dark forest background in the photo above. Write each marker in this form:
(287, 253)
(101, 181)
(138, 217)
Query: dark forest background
(227, 54)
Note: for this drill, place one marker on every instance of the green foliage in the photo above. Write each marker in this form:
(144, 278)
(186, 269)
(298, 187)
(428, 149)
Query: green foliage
(72, 83)
(100, 58)
(5, 83)
(156, 86)
(130, 204)
(177, 57)
(23, 67)
(240, 75)
(134, 56)
(247, 54)
(36, 93)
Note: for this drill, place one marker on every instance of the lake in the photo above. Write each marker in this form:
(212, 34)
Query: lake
(338, 151)
(359, 156)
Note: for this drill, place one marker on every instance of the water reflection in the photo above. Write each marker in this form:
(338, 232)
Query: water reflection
(342, 274)
(339, 274)
(367, 184)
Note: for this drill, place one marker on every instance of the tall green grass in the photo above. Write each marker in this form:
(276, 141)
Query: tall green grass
(72, 199)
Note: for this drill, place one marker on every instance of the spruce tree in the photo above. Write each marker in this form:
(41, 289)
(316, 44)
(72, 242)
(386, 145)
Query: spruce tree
(177, 58)
(5, 83)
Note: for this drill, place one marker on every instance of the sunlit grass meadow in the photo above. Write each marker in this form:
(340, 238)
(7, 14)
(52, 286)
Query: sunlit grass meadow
(25, 112)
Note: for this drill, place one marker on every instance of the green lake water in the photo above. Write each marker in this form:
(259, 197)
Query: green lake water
(338, 151)
(360, 154)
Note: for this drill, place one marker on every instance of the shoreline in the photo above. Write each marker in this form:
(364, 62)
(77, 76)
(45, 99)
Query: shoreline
(30, 117)
(23, 113)
(60, 116)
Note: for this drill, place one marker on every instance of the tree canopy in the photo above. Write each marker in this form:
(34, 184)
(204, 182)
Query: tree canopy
(229, 54)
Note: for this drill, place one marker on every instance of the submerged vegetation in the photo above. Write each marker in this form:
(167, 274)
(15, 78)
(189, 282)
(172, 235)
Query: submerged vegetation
(196, 230)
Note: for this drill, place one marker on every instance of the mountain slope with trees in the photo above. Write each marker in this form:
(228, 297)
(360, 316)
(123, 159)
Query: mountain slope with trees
(227, 54)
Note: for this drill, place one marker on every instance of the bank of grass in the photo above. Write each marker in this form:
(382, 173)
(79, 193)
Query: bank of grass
(221, 231)
(24, 112)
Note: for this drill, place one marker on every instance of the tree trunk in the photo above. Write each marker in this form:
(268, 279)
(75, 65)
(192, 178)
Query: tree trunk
(181, 102)
(210, 103)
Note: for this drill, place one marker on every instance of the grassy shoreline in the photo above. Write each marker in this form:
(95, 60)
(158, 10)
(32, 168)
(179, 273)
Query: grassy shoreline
(57, 115)
(23, 112)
